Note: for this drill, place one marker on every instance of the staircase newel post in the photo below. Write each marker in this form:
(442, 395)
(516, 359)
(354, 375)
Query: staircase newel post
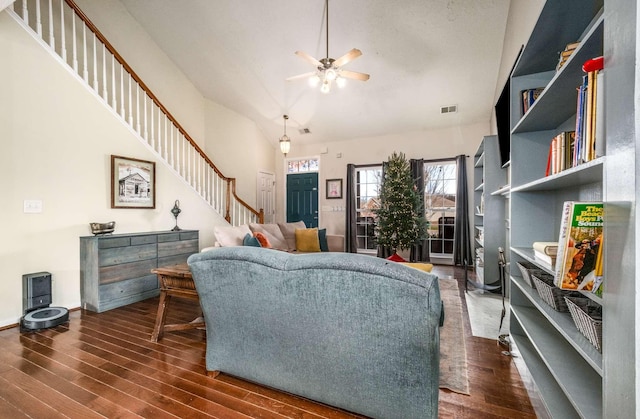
(261, 216)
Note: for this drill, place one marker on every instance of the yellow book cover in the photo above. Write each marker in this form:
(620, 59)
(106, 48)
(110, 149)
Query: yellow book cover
(578, 244)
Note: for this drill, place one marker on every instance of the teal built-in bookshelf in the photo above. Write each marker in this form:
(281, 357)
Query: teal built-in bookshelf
(489, 211)
(573, 378)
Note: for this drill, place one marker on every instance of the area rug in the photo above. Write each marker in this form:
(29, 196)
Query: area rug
(485, 310)
(453, 352)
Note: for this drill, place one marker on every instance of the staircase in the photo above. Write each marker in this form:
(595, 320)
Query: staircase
(63, 29)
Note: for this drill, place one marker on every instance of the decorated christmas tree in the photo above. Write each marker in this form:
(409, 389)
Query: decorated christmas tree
(400, 218)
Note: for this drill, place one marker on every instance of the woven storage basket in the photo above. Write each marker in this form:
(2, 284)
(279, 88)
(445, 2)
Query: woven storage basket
(551, 294)
(526, 268)
(587, 315)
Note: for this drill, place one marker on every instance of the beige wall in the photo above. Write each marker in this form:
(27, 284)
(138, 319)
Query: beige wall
(238, 148)
(433, 144)
(158, 72)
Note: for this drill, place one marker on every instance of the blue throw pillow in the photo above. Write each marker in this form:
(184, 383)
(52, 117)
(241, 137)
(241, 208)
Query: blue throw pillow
(249, 240)
(322, 237)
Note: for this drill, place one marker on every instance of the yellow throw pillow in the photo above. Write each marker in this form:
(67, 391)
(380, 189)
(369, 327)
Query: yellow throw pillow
(421, 266)
(307, 240)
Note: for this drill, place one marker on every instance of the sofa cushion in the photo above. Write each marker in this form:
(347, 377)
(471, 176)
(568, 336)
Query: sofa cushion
(322, 238)
(264, 241)
(272, 233)
(307, 240)
(229, 236)
(249, 240)
(289, 232)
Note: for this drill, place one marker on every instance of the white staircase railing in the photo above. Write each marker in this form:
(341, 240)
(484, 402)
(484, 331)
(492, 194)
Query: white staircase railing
(64, 29)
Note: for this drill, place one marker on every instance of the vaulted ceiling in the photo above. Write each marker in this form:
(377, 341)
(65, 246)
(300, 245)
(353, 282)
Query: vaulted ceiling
(421, 55)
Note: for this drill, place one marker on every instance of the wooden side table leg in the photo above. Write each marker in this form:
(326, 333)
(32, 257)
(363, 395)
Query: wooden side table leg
(158, 329)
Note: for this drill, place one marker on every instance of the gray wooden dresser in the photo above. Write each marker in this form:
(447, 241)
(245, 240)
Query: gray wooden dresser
(115, 270)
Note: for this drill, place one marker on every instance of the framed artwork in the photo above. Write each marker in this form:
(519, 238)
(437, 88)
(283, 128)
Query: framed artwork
(133, 183)
(334, 188)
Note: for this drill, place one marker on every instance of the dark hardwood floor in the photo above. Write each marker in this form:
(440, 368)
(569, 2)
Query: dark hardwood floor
(104, 365)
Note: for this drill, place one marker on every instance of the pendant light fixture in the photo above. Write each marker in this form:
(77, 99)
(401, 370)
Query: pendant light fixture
(285, 141)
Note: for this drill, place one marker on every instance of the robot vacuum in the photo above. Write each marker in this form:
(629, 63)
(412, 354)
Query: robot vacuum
(44, 318)
(36, 299)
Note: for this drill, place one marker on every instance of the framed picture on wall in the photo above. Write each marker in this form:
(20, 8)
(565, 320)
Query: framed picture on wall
(133, 183)
(334, 188)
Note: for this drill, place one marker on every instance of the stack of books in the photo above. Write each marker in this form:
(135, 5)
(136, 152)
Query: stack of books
(589, 118)
(546, 252)
(561, 153)
(564, 55)
(529, 96)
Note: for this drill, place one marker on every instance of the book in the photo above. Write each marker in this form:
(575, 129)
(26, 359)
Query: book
(547, 248)
(564, 55)
(547, 172)
(598, 278)
(579, 241)
(561, 152)
(542, 257)
(599, 130)
(529, 96)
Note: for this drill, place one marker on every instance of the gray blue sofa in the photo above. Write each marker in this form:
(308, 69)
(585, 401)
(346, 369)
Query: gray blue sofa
(352, 331)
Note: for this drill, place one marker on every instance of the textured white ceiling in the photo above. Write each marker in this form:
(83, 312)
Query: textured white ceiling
(421, 55)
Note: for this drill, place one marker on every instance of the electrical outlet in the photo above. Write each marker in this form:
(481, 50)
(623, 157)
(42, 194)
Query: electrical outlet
(32, 206)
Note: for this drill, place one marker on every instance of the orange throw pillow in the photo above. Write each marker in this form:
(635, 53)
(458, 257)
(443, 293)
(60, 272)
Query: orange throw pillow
(262, 239)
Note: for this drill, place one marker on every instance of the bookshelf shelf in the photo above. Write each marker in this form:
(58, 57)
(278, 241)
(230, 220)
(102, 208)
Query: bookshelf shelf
(584, 174)
(567, 369)
(563, 324)
(503, 191)
(553, 397)
(557, 102)
(578, 381)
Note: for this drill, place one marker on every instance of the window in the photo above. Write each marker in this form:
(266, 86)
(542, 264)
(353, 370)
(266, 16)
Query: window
(303, 165)
(440, 205)
(368, 179)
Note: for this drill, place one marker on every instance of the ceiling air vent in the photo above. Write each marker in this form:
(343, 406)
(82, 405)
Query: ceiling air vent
(449, 109)
(304, 131)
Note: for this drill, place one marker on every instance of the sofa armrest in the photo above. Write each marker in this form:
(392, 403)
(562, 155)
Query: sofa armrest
(335, 242)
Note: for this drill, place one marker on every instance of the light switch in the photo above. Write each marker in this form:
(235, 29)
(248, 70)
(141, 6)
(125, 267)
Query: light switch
(32, 206)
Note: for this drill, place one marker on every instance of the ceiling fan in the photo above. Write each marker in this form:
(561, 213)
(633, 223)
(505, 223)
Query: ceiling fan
(329, 70)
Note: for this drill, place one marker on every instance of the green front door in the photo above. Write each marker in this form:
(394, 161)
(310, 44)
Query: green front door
(302, 198)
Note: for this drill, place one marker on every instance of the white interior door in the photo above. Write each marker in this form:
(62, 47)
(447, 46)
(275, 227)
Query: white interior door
(266, 195)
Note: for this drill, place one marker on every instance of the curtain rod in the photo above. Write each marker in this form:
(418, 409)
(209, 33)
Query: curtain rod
(360, 166)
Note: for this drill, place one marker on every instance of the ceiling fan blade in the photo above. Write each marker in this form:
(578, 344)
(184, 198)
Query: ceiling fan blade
(309, 58)
(354, 75)
(349, 56)
(301, 76)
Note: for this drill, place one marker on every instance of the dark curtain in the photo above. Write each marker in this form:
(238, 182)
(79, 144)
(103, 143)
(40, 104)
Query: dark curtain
(384, 251)
(462, 239)
(350, 229)
(420, 250)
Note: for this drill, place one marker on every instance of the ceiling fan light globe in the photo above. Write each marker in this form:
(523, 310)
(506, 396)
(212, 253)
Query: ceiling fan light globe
(341, 82)
(330, 74)
(314, 80)
(326, 87)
